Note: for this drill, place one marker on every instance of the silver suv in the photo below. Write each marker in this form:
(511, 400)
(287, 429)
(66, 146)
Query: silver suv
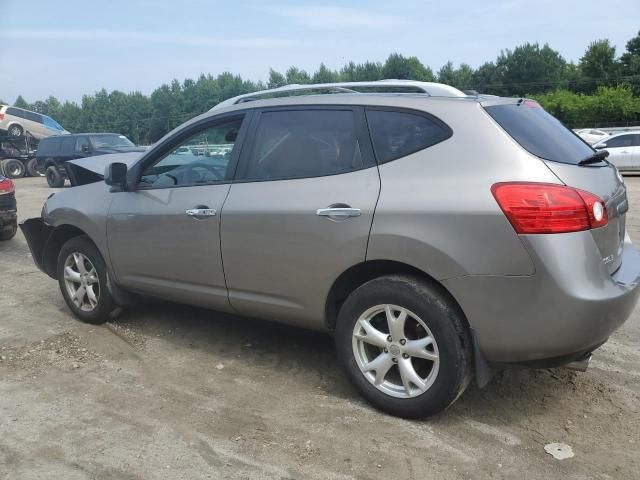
(438, 236)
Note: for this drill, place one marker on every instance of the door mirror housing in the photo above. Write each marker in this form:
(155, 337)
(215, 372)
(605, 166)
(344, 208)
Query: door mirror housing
(86, 149)
(600, 146)
(115, 175)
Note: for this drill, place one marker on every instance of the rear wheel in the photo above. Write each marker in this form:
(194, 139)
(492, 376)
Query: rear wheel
(13, 168)
(82, 276)
(404, 346)
(15, 130)
(32, 168)
(54, 179)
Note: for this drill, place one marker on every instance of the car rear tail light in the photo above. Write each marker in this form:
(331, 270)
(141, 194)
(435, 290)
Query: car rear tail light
(1, 116)
(549, 208)
(6, 186)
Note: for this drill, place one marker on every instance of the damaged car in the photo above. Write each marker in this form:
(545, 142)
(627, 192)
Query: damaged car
(438, 236)
(8, 209)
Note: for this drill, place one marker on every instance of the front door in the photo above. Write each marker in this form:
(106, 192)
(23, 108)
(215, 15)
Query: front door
(164, 237)
(299, 212)
(621, 151)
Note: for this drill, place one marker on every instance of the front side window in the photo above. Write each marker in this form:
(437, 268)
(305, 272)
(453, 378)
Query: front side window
(304, 143)
(83, 145)
(201, 159)
(68, 144)
(397, 134)
(32, 116)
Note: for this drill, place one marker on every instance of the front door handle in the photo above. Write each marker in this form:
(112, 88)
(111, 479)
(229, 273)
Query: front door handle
(201, 212)
(339, 212)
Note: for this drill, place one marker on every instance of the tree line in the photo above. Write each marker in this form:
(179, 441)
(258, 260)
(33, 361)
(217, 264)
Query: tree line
(602, 89)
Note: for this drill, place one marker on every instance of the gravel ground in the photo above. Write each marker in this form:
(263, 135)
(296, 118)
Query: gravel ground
(168, 391)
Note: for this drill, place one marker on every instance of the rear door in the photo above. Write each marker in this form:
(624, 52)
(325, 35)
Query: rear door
(299, 211)
(635, 147)
(545, 137)
(620, 150)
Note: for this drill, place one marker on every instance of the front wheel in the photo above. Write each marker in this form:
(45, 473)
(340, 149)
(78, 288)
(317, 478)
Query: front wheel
(404, 346)
(82, 276)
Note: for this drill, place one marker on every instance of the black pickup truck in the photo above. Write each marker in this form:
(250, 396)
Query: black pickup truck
(53, 152)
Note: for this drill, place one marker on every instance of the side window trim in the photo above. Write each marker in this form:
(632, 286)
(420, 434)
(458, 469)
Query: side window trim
(362, 136)
(411, 111)
(160, 151)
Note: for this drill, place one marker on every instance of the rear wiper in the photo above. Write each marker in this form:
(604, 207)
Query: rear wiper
(595, 157)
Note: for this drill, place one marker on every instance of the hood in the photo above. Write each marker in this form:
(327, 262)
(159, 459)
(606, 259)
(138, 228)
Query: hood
(91, 169)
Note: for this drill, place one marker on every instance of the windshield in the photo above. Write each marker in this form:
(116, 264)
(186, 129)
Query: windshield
(539, 132)
(110, 141)
(51, 123)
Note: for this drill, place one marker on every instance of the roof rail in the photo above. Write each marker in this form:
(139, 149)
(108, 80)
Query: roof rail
(395, 86)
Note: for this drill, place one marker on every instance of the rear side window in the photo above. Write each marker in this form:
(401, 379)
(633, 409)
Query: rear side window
(539, 132)
(16, 112)
(68, 143)
(49, 146)
(304, 143)
(623, 141)
(397, 134)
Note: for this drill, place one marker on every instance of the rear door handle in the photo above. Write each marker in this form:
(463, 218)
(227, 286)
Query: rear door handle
(201, 212)
(339, 212)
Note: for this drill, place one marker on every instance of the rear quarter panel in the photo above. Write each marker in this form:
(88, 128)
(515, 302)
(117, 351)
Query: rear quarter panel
(436, 211)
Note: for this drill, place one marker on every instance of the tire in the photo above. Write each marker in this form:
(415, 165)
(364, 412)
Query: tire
(9, 234)
(32, 168)
(443, 367)
(13, 168)
(86, 266)
(54, 179)
(15, 130)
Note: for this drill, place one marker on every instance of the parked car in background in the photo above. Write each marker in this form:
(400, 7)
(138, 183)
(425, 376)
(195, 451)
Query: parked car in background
(8, 209)
(592, 135)
(435, 235)
(17, 122)
(53, 152)
(624, 150)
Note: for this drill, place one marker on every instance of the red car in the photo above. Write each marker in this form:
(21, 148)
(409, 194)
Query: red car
(8, 209)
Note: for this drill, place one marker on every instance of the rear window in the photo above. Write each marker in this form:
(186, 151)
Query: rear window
(48, 146)
(539, 132)
(397, 134)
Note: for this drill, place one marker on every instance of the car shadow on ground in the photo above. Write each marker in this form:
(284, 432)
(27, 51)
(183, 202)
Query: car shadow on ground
(279, 348)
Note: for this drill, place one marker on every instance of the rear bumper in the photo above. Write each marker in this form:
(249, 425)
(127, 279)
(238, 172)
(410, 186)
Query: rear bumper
(566, 309)
(8, 211)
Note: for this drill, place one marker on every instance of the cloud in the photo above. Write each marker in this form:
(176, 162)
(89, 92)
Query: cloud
(340, 18)
(144, 37)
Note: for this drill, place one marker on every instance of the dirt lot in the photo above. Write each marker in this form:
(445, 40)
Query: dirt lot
(168, 391)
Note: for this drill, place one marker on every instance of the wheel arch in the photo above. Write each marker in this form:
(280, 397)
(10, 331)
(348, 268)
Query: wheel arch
(57, 238)
(361, 273)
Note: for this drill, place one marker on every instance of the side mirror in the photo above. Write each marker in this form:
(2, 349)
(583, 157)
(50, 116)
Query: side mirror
(115, 174)
(86, 148)
(600, 146)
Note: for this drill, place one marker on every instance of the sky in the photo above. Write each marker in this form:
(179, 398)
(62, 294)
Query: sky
(67, 48)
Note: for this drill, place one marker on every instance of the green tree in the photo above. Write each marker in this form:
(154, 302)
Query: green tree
(598, 66)
(325, 75)
(530, 69)
(276, 79)
(21, 103)
(296, 76)
(630, 64)
(406, 68)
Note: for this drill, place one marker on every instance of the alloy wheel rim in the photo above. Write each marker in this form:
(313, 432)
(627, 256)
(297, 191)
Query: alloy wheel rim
(395, 351)
(82, 282)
